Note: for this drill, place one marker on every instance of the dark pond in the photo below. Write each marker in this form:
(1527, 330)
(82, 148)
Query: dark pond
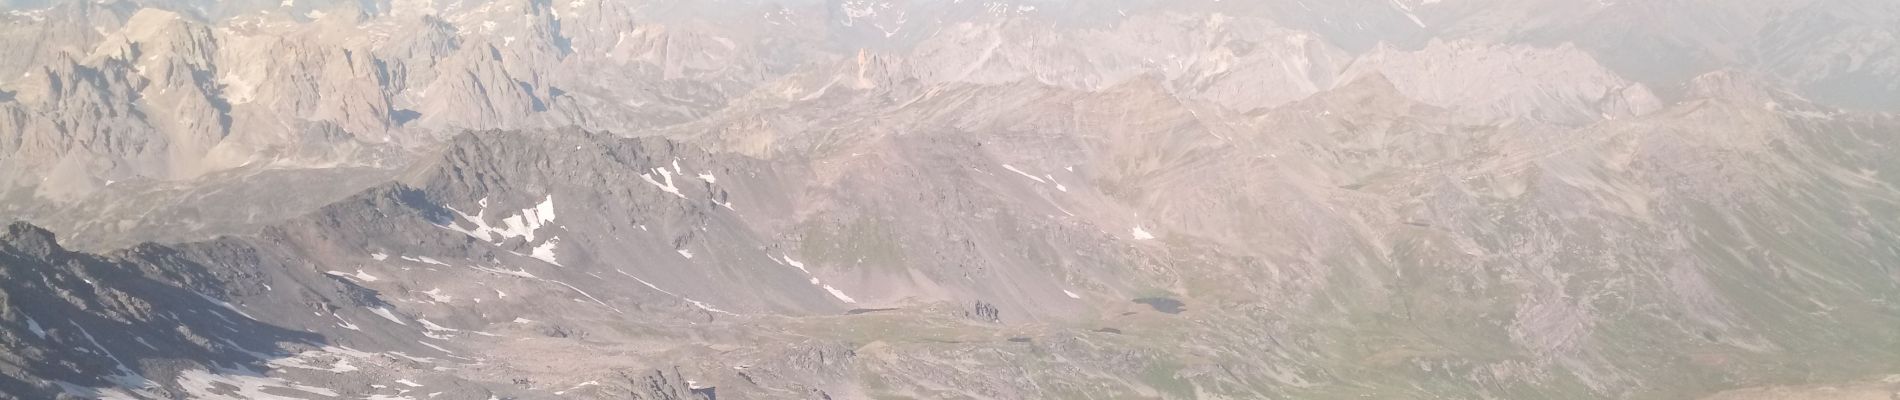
(1163, 304)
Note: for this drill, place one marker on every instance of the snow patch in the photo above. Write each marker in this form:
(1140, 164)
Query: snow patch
(520, 274)
(695, 303)
(388, 315)
(545, 252)
(1142, 234)
(125, 376)
(431, 325)
(359, 275)
(666, 176)
(578, 387)
(406, 356)
(34, 326)
(526, 275)
(1012, 168)
(226, 305)
(336, 358)
(436, 295)
(96, 393)
(839, 294)
(345, 324)
(856, 9)
(1059, 186)
(437, 348)
(583, 293)
(426, 260)
(240, 385)
(522, 224)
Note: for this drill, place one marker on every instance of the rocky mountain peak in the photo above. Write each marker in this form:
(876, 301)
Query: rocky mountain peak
(1731, 84)
(31, 240)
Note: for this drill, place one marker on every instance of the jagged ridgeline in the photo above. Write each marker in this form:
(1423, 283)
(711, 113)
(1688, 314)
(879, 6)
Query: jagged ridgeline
(949, 199)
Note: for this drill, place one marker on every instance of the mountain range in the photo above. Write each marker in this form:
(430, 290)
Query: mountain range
(844, 199)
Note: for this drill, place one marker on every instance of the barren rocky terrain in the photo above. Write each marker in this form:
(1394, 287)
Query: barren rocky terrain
(896, 199)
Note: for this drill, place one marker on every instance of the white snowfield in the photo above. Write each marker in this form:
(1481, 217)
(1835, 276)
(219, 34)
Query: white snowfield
(523, 224)
(545, 252)
(1032, 177)
(667, 186)
(1141, 234)
(389, 315)
(358, 275)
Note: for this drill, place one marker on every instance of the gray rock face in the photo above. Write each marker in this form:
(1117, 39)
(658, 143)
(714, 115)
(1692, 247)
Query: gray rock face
(138, 319)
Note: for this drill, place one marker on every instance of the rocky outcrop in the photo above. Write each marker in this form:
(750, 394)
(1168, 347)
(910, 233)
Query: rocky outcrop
(1563, 85)
(134, 321)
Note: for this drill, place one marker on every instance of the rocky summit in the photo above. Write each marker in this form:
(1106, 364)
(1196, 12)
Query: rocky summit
(946, 199)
